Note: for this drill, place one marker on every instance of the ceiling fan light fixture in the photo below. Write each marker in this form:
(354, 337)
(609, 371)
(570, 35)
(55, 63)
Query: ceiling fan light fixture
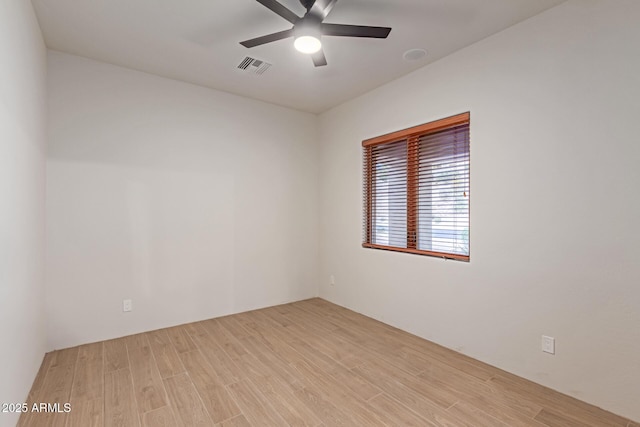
(307, 44)
(309, 29)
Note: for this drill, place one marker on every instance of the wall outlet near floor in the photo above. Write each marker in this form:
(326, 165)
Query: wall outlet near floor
(332, 280)
(127, 305)
(548, 344)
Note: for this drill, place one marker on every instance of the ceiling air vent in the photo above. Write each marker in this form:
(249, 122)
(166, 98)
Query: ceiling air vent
(254, 66)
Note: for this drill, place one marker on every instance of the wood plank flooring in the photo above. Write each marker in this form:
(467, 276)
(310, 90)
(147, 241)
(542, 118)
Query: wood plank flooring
(309, 363)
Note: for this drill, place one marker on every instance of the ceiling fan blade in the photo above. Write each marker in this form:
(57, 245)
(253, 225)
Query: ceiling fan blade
(276, 7)
(267, 39)
(354, 31)
(319, 60)
(321, 8)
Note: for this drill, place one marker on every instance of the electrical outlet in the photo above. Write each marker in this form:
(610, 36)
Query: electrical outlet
(548, 344)
(127, 305)
(332, 280)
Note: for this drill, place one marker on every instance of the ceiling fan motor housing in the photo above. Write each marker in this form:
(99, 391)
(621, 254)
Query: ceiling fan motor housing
(308, 26)
(307, 3)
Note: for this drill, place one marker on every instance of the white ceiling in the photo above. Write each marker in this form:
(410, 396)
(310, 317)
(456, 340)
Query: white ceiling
(197, 41)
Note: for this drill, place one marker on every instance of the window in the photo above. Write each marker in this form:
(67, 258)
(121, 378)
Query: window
(416, 189)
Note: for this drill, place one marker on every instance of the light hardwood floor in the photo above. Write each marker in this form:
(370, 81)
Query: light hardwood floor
(309, 363)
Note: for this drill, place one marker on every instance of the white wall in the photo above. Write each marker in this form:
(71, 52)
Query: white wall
(554, 107)
(191, 202)
(22, 185)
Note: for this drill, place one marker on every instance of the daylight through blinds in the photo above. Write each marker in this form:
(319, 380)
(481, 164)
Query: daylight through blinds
(417, 189)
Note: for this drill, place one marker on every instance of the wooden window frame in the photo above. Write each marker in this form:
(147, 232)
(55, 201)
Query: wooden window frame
(411, 136)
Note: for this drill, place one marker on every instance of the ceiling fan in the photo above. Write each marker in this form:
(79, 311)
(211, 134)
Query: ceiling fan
(309, 29)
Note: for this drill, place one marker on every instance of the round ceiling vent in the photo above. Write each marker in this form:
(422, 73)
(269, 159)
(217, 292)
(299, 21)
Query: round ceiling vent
(414, 54)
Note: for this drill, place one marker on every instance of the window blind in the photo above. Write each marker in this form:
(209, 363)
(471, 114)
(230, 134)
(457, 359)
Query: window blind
(417, 189)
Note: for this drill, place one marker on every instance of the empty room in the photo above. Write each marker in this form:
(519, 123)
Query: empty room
(319, 213)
